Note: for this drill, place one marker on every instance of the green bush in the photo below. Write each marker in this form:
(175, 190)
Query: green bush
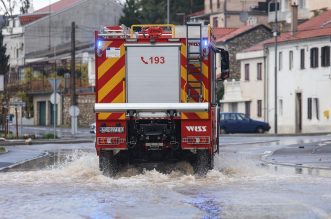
(2, 150)
(49, 136)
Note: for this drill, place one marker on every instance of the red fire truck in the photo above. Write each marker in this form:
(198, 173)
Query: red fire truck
(156, 95)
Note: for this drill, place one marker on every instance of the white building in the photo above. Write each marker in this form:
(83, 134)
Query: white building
(248, 95)
(225, 13)
(306, 10)
(13, 39)
(304, 78)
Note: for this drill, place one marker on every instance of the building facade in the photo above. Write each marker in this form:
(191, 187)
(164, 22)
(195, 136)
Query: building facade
(306, 10)
(249, 94)
(13, 39)
(303, 78)
(233, 13)
(240, 39)
(44, 44)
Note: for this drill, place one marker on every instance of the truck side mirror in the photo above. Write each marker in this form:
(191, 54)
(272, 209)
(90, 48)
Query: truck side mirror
(225, 64)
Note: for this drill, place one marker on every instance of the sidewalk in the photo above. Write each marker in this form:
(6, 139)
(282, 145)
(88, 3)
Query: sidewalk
(312, 155)
(18, 152)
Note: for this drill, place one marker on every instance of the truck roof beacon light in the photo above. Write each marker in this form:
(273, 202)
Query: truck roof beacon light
(205, 43)
(99, 44)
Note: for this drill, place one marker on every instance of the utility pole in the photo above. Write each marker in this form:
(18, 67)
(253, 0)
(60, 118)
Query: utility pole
(276, 52)
(168, 11)
(73, 65)
(74, 110)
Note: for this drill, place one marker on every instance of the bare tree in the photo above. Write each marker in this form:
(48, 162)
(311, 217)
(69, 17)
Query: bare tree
(8, 7)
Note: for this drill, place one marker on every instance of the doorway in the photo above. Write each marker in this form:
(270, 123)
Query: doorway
(42, 113)
(298, 112)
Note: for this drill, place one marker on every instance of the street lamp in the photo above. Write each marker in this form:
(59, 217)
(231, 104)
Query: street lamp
(276, 51)
(168, 11)
(275, 34)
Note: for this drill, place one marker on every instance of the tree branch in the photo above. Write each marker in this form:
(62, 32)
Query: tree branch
(5, 7)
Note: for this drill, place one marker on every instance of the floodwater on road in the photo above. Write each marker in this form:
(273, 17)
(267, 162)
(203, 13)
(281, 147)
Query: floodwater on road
(240, 186)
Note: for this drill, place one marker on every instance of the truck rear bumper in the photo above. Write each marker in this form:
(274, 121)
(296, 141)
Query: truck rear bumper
(150, 107)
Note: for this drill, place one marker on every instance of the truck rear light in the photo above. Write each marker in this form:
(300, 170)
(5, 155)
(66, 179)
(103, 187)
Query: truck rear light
(110, 140)
(196, 140)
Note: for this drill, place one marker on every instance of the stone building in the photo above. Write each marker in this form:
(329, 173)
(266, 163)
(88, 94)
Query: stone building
(237, 39)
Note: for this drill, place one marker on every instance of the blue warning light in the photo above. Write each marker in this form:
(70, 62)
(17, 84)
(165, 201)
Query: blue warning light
(99, 44)
(205, 43)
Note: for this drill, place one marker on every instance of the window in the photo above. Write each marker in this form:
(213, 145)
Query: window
(248, 108)
(246, 72)
(233, 107)
(280, 67)
(291, 60)
(215, 22)
(218, 4)
(232, 116)
(211, 4)
(302, 3)
(314, 57)
(280, 107)
(316, 108)
(309, 104)
(259, 71)
(313, 108)
(302, 58)
(325, 56)
(259, 108)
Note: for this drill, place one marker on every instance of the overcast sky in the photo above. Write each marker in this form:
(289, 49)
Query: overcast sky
(37, 4)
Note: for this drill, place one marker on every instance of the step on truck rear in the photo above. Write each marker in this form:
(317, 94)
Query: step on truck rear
(156, 95)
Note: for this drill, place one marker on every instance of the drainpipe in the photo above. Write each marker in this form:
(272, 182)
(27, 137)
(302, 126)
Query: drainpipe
(225, 14)
(265, 98)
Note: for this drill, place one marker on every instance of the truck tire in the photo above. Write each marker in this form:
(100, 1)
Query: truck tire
(203, 162)
(108, 163)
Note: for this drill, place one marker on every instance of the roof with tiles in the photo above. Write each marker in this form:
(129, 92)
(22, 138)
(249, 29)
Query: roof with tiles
(53, 8)
(219, 33)
(57, 6)
(236, 32)
(256, 47)
(29, 18)
(318, 26)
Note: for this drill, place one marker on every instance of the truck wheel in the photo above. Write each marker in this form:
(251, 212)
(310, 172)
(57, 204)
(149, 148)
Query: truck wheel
(108, 163)
(203, 162)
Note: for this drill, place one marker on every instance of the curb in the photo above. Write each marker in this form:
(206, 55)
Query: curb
(255, 142)
(4, 169)
(36, 142)
(264, 157)
(275, 135)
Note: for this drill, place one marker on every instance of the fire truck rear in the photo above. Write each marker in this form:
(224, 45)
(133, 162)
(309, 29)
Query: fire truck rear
(156, 95)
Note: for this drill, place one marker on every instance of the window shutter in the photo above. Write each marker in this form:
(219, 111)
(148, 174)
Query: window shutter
(309, 110)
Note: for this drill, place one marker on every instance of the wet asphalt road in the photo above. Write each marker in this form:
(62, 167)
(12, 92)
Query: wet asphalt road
(240, 186)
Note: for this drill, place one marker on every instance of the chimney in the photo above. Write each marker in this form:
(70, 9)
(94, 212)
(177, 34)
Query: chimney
(294, 23)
